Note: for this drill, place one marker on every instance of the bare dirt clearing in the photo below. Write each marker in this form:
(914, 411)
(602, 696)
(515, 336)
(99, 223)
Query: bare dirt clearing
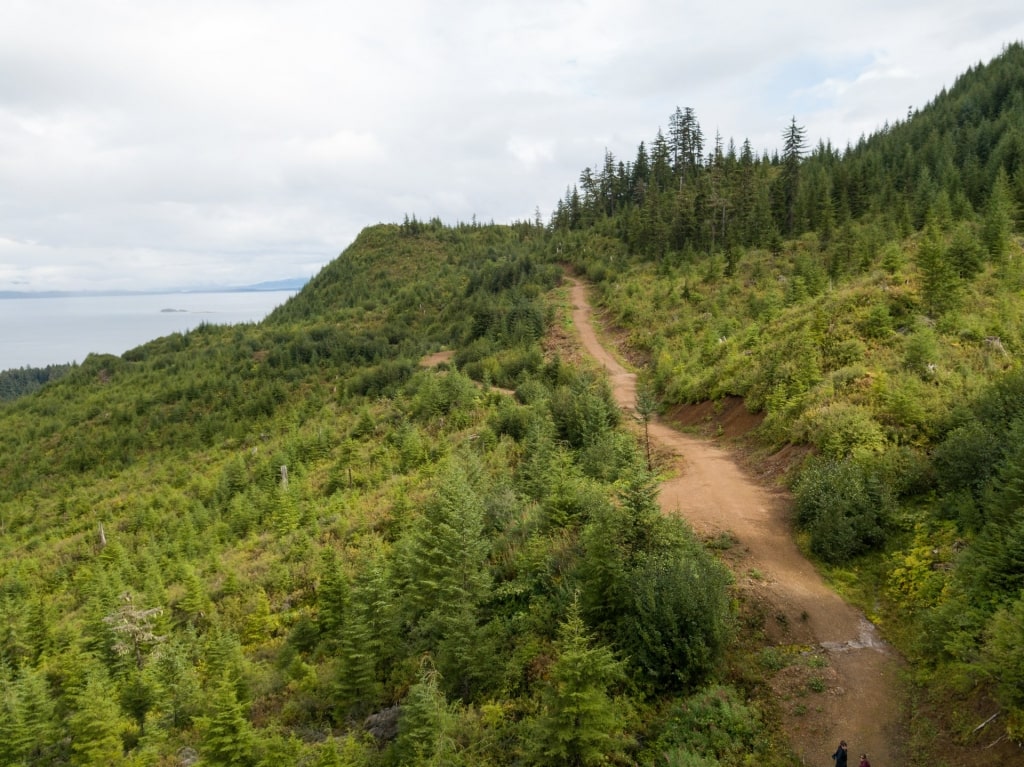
(437, 358)
(835, 678)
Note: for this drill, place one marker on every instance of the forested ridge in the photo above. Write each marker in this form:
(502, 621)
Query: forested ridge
(19, 381)
(867, 303)
(290, 543)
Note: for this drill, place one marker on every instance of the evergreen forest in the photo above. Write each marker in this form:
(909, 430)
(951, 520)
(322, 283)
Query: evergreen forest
(294, 543)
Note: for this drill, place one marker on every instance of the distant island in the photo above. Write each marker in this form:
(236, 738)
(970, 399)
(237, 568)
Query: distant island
(293, 283)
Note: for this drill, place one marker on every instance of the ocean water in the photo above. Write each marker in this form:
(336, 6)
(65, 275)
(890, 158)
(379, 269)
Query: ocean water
(35, 332)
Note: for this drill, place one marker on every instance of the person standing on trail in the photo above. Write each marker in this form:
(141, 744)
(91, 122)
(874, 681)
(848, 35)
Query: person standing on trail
(864, 761)
(840, 755)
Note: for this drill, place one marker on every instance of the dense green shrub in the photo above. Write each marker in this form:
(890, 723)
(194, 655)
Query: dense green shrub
(965, 459)
(714, 724)
(840, 430)
(583, 412)
(511, 419)
(1003, 660)
(675, 622)
(382, 380)
(844, 505)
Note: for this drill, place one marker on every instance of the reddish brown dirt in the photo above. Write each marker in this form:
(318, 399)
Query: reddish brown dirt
(838, 679)
(437, 358)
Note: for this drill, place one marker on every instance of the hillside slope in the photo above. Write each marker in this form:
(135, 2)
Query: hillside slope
(292, 543)
(867, 306)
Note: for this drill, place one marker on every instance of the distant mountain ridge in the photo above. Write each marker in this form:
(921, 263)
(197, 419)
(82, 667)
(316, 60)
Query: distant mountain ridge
(291, 283)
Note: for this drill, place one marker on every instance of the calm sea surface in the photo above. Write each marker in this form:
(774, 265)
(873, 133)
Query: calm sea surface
(35, 332)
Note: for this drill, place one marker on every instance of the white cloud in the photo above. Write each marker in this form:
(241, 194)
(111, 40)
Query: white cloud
(531, 151)
(342, 147)
(158, 142)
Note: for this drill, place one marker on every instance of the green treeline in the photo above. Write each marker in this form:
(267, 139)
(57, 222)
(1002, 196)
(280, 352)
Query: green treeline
(868, 303)
(684, 196)
(18, 381)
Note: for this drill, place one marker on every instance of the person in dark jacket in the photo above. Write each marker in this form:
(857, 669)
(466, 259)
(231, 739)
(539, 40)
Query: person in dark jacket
(840, 755)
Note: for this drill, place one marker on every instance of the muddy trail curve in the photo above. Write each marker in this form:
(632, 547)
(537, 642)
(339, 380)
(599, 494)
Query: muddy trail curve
(846, 687)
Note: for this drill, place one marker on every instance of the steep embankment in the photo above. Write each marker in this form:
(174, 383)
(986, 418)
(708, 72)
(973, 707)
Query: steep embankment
(852, 691)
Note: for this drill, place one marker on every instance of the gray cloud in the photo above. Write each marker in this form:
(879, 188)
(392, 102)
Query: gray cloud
(164, 143)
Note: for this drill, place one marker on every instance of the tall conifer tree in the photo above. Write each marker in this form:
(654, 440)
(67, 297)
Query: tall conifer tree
(581, 722)
(793, 152)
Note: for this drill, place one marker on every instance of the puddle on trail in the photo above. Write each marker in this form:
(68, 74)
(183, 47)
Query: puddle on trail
(867, 639)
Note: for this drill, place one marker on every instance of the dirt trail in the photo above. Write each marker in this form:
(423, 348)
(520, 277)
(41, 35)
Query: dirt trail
(855, 695)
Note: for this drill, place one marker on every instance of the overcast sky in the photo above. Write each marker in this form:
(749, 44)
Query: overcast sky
(148, 144)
